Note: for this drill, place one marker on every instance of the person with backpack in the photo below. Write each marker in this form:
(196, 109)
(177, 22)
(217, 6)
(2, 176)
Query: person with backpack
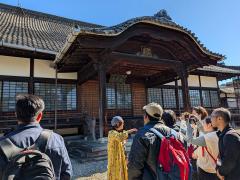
(31, 152)
(150, 157)
(207, 151)
(117, 162)
(228, 163)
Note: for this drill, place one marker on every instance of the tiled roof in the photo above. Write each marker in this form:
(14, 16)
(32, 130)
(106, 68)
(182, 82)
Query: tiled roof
(26, 28)
(219, 69)
(161, 19)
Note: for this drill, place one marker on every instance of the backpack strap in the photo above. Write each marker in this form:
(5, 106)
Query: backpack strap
(215, 160)
(156, 132)
(9, 149)
(174, 133)
(42, 141)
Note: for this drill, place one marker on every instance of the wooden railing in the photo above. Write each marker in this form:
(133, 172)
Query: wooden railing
(64, 120)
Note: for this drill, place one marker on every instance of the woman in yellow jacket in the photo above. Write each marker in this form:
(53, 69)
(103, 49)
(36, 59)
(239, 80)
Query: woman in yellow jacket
(117, 163)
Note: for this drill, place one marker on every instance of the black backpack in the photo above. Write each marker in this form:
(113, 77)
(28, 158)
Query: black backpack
(25, 164)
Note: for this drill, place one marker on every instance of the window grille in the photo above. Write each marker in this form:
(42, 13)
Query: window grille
(119, 96)
(169, 98)
(155, 95)
(66, 95)
(195, 97)
(10, 89)
(214, 99)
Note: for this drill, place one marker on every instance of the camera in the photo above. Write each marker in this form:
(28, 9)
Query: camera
(193, 119)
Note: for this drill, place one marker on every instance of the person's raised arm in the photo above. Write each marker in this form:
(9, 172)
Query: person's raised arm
(199, 141)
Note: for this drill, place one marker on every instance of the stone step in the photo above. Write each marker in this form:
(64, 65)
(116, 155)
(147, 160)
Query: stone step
(87, 151)
(80, 153)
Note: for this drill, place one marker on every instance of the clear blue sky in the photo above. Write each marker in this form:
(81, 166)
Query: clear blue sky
(215, 22)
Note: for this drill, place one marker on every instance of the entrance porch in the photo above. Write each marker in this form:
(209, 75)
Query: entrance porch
(118, 65)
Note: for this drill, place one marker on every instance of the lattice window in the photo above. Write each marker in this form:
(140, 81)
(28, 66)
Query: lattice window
(66, 95)
(206, 98)
(180, 97)
(169, 98)
(155, 95)
(110, 94)
(124, 96)
(9, 91)
(195, 97)
(214, 99)
(119, 96)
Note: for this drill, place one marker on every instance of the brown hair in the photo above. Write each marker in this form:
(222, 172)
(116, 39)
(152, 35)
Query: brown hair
(186, 115)
(201, 111)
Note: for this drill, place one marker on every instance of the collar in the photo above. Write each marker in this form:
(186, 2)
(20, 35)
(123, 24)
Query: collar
(22, 127)
(151, 124)
(225, 130)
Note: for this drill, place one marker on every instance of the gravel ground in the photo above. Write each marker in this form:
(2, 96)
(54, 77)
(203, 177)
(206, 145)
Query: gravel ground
(89, 170)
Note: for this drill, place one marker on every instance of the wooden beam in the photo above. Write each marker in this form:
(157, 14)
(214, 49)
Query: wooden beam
(162, 79)
(87, 72)
(145, 60)
(25, 53)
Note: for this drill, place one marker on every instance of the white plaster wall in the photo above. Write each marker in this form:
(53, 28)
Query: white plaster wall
(209, 81)
(42, 69)
(193, 81)
(231, 95)
(14, 66)
(222, 95)
(173, 83)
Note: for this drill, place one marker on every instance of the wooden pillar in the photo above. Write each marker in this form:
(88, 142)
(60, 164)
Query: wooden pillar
(219, 94)
(102, 96)
(55, 103)
(200, 89)
(31, 80)
(1, 97)
(185, 90)
(177, 97)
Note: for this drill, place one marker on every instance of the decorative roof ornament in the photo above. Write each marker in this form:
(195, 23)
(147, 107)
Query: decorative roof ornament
(163, 14)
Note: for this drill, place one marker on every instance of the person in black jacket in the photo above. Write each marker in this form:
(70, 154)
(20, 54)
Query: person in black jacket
(228, 165)
(145, 147)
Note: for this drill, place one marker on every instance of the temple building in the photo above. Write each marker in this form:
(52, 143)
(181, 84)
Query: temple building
(88, 71)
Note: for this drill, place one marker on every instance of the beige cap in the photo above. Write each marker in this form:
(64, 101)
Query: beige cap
(154, 110)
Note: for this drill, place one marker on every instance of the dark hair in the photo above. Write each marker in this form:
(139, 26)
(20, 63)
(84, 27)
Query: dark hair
(201, 111)
(209, 121)
(169, 118)
(28, 107)
(151, 118)
(223, 113)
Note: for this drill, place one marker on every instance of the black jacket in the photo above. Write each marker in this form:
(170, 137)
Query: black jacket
(144, 151)
(229, 151)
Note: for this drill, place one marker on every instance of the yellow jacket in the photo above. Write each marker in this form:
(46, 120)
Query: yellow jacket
(117, 165)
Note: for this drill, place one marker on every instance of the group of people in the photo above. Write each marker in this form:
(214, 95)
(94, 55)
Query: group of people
(202, 147)
(212, 146)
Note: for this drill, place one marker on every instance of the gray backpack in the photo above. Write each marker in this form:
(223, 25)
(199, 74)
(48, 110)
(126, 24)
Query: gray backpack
(30, 163)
